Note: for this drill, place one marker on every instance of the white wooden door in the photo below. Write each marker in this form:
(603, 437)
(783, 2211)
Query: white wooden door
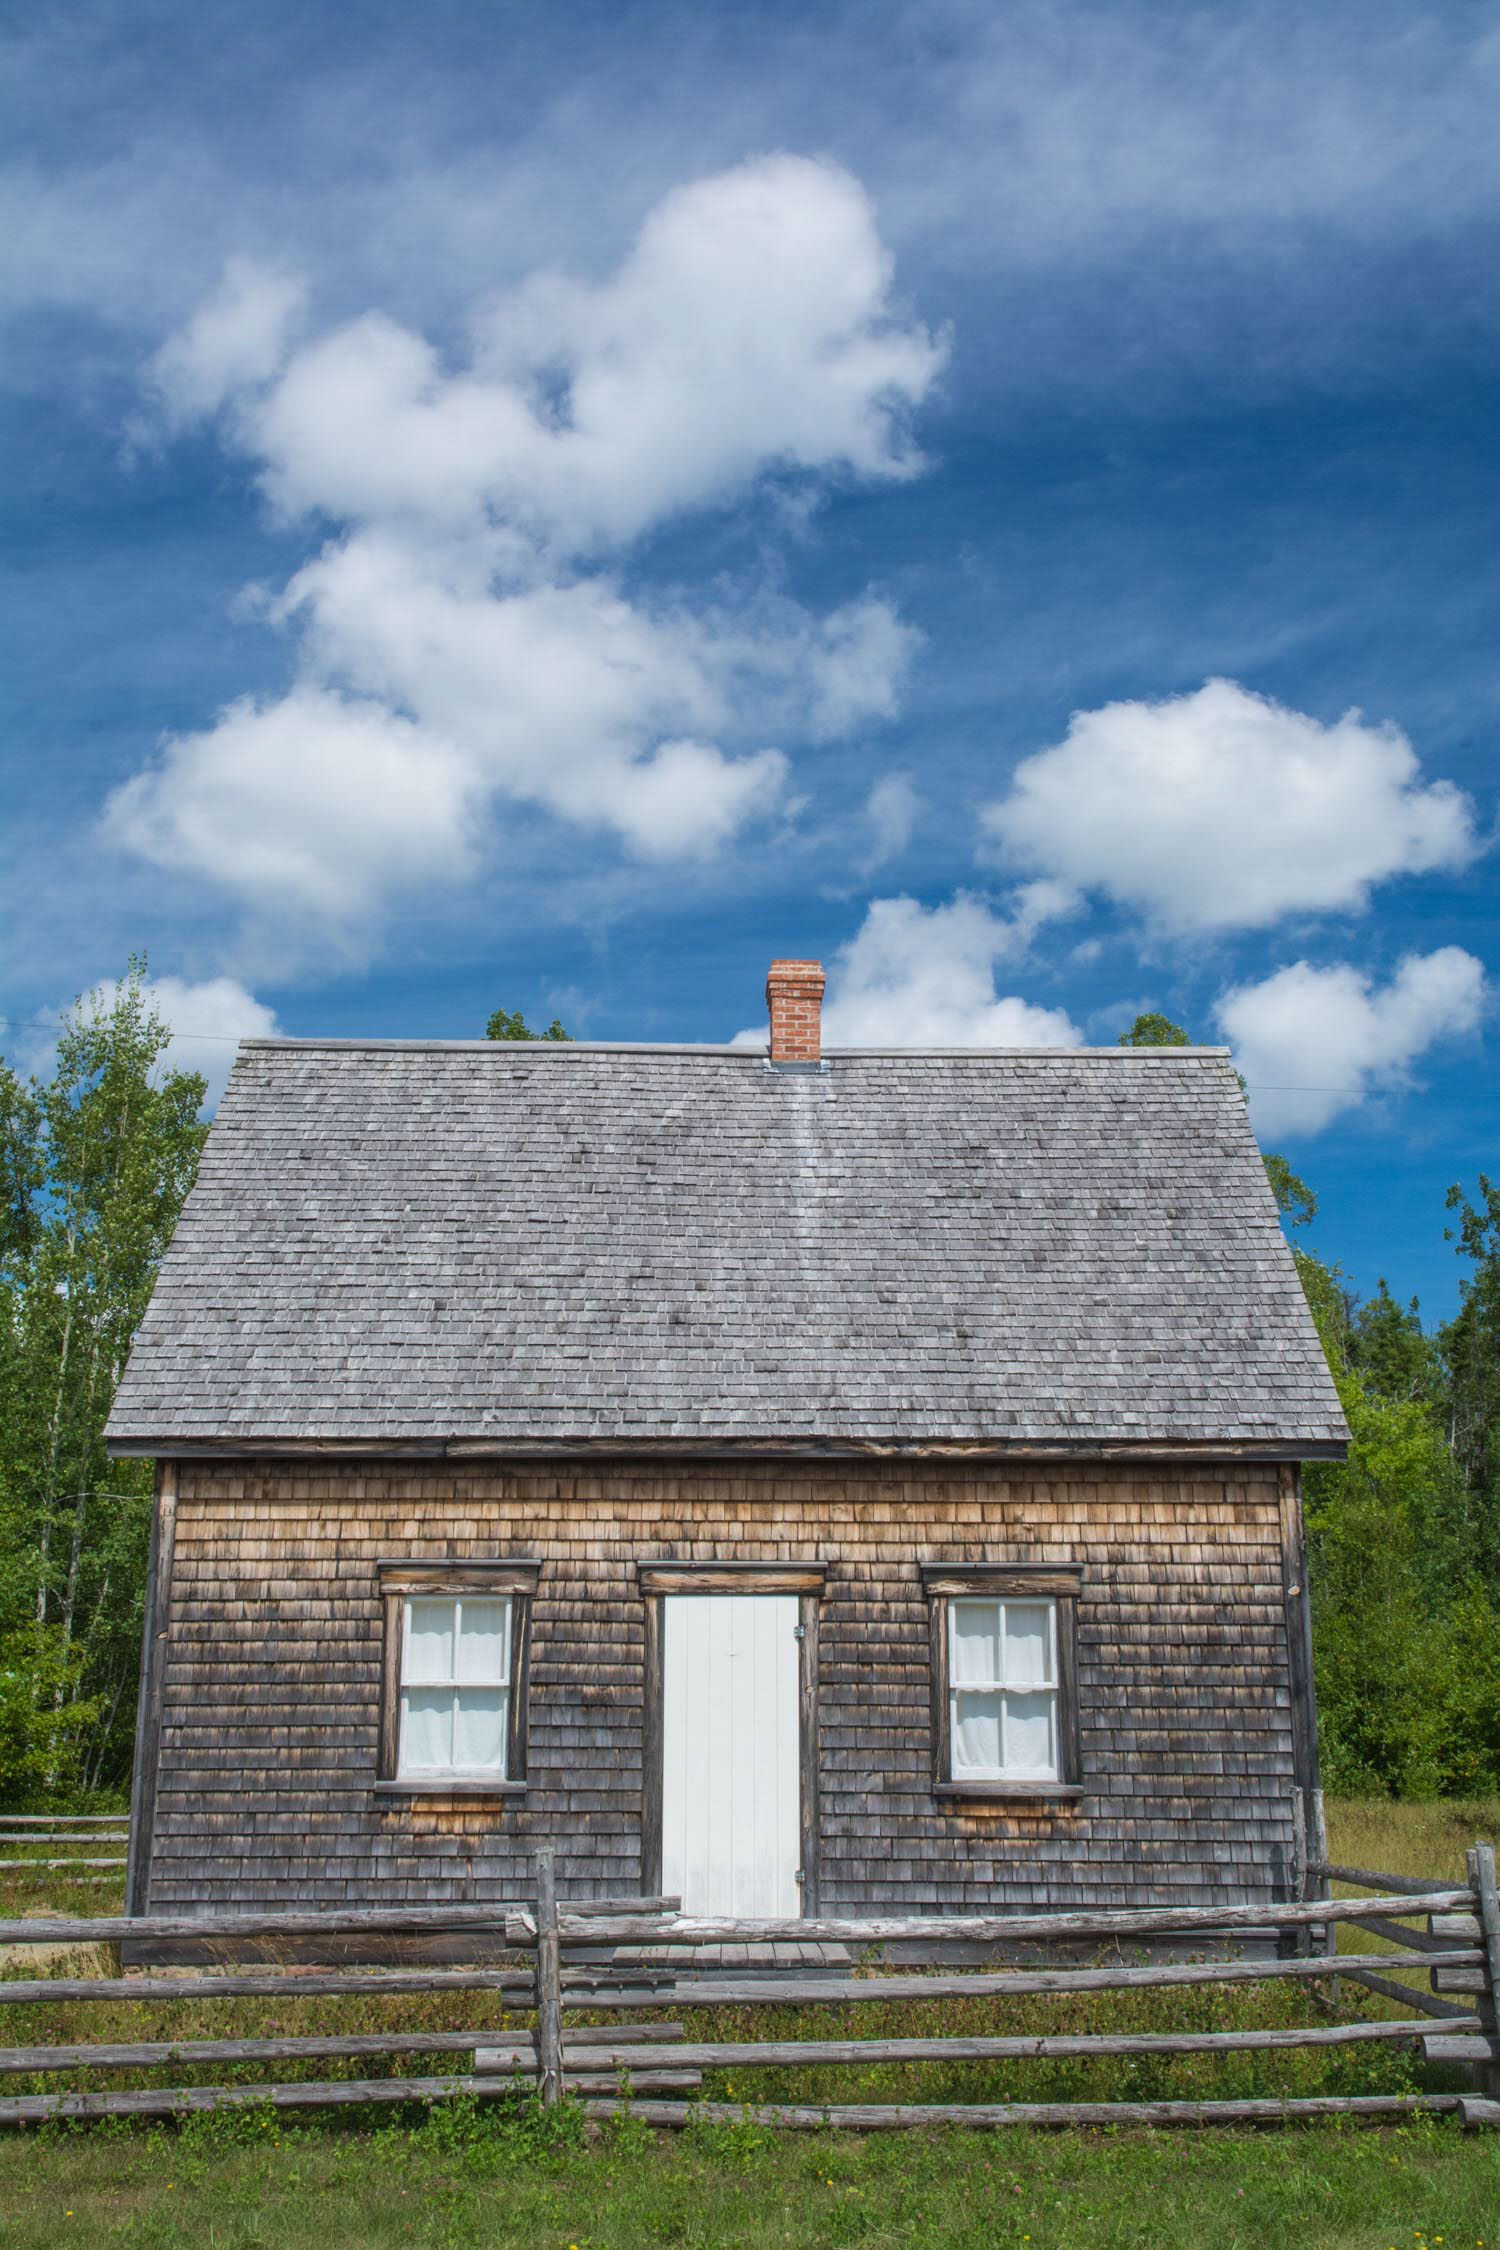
(731, 1790)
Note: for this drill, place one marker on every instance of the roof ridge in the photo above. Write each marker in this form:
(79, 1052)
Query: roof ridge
(563, 1048)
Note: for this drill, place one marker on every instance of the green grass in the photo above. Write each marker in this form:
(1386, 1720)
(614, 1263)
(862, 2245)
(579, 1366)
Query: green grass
(455, 2181)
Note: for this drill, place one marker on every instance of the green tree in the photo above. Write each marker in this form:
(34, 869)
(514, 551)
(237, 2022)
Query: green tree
(1408, 1687)
(100, 1157)
(1154, 1030)
(1295, 1200)
(1469, 1344)
(1392, 1350)
(508, 1023)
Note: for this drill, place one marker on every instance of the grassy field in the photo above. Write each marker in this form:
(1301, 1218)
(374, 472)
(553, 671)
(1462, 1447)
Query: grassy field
(1426, 1839)
(461, 2174)
(455, 2183)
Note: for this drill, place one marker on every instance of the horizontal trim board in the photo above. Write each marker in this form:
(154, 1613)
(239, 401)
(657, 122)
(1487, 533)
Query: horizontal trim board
(1062, 1579)
(505, 1575)
(735, 1577)
(170, 1446)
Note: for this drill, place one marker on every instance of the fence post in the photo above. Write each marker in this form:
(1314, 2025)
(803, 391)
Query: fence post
(1482, 1876)
(548, 1980)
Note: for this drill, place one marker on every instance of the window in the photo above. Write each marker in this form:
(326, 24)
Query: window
(1002, 1690)
(1004, 1671)
(455, 1684)
(456, 1648)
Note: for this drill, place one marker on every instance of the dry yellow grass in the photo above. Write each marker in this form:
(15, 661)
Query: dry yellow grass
(1406, 1839)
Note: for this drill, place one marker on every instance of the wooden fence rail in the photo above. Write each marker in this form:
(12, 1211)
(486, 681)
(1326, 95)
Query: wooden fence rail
(65, 1820)
(1107, 1924)
(1364, 1878)
(72, 1840)
(41, 1865)
(630, 1954)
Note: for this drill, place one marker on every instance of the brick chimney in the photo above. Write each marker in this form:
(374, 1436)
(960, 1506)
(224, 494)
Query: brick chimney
(794, 995)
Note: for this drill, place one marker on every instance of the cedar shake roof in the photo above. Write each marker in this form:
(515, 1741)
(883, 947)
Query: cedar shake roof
(508, 1243)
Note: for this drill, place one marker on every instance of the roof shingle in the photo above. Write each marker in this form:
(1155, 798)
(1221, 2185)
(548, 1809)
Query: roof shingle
(506, 1242)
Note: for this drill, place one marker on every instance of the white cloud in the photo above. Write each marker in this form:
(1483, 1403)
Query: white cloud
(749, 328)
(317, 803)
(915, 976)
(687, 797)
(862, 654)
(461, 639)
(1315, 1042)
(236, 340)
(891, 810)
(206, 1020)
(1224, 810)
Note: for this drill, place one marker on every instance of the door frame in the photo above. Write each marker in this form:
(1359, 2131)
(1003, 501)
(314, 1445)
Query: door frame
(806, 1581)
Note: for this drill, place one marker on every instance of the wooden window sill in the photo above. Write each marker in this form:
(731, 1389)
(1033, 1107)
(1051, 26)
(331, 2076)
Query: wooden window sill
(1053, 1792)
(459, 1786)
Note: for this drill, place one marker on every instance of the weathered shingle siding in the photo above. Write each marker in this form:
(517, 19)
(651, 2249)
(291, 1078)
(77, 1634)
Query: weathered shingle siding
(272, 1681)
(505, 1243)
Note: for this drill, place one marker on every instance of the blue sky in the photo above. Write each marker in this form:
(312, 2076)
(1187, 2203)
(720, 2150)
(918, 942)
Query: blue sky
(555, 507)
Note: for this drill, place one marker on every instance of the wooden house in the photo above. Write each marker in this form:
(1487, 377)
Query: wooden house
(862, 1481)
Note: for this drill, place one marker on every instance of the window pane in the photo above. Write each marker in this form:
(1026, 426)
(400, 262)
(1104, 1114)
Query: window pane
(483, 1639)
(1029, 1735)
(428, 1654)
(426, 1728)
(479, 1732)
(975, 1629)
(1028, 1644)
(976, 1733)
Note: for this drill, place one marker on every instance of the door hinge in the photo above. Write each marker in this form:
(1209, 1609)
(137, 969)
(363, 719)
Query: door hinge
(800, 1876)
(799, 1632)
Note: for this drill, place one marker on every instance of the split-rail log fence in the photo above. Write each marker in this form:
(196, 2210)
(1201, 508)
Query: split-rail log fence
(628, 1956)
(81, 1840)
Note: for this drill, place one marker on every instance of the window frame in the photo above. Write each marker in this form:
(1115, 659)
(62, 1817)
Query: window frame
(1059, 1583)
(398, 1582)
